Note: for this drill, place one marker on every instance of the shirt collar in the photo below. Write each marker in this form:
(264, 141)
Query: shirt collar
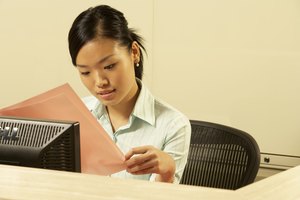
(143, 109)
(99, 110)
(144, 106)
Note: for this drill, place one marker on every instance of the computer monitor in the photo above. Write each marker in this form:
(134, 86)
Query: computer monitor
(40, 143)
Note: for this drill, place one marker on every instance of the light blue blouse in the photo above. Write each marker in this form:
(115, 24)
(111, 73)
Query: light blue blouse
(152, 122)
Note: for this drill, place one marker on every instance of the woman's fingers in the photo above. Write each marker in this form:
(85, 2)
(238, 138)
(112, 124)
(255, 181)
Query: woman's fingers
(136, 150)
(149, 166)
(139, 159)
(147, 160)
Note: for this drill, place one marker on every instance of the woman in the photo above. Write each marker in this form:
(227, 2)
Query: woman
(109, 57)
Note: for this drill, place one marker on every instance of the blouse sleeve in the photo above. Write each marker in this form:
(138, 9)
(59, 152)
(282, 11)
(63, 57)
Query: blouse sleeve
(177, 143)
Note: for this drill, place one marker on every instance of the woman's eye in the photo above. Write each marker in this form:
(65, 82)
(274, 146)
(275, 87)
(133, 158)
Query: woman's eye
(84, 73)
(109, 66)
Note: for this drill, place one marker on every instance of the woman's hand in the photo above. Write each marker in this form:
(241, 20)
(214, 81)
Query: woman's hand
(147, 160)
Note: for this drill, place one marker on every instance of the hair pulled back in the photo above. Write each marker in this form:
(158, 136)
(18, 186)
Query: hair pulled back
(103, 21)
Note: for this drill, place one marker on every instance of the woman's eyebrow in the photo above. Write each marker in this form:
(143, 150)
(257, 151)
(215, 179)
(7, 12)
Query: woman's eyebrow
(98, 62)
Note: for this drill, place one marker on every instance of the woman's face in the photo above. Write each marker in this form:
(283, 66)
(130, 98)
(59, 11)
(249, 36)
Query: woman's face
(107, 70)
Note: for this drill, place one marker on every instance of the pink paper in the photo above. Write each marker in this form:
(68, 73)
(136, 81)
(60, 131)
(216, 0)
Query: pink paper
(99, 154)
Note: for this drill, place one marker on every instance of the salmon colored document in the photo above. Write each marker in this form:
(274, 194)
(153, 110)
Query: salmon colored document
(99, 154)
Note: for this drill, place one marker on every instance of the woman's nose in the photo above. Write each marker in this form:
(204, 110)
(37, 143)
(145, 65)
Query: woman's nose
(101, 81)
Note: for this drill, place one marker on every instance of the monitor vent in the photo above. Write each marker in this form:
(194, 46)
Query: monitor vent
(60, 155)
(29, 134)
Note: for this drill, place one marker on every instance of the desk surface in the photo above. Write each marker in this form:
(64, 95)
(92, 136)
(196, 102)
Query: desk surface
(282, 186)
(30, 183)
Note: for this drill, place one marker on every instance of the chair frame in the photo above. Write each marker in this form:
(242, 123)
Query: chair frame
(249, 145)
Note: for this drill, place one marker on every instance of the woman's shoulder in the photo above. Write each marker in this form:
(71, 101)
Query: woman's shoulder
(166, 111)
(171, 120)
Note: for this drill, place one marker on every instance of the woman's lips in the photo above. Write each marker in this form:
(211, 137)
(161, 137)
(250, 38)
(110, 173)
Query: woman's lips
(107, 94)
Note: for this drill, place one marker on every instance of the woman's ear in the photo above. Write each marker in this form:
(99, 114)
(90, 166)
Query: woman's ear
(135, 49)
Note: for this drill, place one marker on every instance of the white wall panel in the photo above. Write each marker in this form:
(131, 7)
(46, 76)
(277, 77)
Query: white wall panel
(233, 62)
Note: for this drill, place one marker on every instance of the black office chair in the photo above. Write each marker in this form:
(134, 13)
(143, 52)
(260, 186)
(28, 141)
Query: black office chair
(220, 157)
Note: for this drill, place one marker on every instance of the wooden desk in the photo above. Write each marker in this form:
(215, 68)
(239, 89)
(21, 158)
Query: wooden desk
(282, 186)
(29, 183)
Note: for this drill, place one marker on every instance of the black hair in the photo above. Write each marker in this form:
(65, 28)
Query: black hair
(103, 21)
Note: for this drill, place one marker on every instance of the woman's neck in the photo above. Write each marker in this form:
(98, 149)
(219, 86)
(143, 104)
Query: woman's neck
(119, 114)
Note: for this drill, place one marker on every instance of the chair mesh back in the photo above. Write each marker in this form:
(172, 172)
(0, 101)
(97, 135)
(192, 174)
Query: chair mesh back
(220, 157)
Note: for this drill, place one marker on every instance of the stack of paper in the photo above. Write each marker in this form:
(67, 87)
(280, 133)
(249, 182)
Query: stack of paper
(99, 154)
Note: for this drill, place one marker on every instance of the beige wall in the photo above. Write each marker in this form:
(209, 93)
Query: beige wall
(33, 43)
(232, 62)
